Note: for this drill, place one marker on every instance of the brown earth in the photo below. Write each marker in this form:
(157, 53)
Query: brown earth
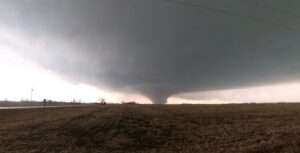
(247, 128)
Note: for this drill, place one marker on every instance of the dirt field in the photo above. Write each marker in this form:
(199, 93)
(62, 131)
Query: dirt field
(248, 128)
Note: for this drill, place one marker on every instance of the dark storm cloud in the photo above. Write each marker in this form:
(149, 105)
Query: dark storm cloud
(160, 48)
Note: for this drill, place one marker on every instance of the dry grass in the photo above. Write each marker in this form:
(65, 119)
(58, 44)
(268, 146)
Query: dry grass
(263, 128)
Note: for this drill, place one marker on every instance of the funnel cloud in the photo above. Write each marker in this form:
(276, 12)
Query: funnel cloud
(159, 48)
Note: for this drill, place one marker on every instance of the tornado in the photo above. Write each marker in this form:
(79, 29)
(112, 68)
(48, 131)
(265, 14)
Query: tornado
(127, 47)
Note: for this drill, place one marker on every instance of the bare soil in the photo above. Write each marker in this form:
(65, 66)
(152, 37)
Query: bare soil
(247, 128)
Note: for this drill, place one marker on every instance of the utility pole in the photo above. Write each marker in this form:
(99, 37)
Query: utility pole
(31, 93)
(44, 103)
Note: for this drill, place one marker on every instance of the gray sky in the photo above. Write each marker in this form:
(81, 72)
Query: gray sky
(160, 48)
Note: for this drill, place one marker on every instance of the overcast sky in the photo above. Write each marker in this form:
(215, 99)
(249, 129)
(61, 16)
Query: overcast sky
(188, 49)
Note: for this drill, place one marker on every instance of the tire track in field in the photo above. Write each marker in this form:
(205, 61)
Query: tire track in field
(95, 129)
(113, 120)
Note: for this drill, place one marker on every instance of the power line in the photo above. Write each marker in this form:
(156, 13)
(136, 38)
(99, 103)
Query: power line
(232, 13)
(272, 8)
